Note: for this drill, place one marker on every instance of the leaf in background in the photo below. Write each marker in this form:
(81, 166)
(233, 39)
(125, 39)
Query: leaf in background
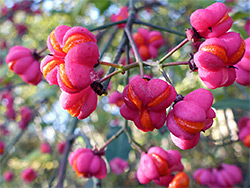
(232, 103)
(101, 5)
(80, 8)
(240, 30)
(118, 147)
(239, 15)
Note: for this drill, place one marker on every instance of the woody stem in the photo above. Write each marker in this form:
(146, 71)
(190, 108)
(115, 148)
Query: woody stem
(43, 50)
(115, 136)
(173, 50)
(110, 64)
(135, 49)
(133, 65)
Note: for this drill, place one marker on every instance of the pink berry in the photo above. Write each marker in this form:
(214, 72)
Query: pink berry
(145, 102)
(26, 115)
(87, 163)
(2, 147)
(74, 54)
(212, 21)
(189, 117)
(215, 59)
(8, 176)
(204, 177)
(118, 165)
(244, 130)
(45, 147)
(158, 163)
(21, 61)
(28, 175)
(148, 43)
(60, 147)
(116, 98)
(80, 104)
(243, 67)
(122, 15)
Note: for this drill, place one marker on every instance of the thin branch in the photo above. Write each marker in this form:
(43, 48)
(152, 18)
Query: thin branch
(135, 144)
(160, 28)
(164, 74)
(173, 50)
(175, 63)
(110, 39)
(108, 77)
(108, 25)
(135, 49)
(43, 50)
(120, 48)
(115, 136)
(63, 162)
(110, 64)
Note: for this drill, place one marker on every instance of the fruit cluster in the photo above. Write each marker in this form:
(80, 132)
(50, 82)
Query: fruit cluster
(28, 175)
(87, 163)
(158, 165)
(148, 43)
(45, 148)
(26, 116)
(24, 62)
(118, 165)
(74, 53)
(8, 176)
(145, 102)
(122, 15)
(219, 53)
(189, 117)
(225, 175)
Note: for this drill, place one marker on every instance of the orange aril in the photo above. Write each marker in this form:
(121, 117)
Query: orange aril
(54, 42)
(79, 174)
(50, 66)
(217, 51)
(11, 65)
(246, 141)
(223, 19)
(237, 55)
(160, 163)
(64, 76)
(133, 98)
(189, 126)
(74, 110)
(157, 100)
(139, 39)
(145, 120)
(154, 38)
(144, 52)
(180, 180)
(75, 40)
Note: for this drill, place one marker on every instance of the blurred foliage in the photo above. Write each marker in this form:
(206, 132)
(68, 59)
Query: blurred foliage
(52, 123)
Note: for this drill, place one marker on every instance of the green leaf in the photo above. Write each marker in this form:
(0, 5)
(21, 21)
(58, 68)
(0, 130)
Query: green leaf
(232, 103)
(239, 15)
(118, 147)
(101, 5)
(80, 8)
(240, 30)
